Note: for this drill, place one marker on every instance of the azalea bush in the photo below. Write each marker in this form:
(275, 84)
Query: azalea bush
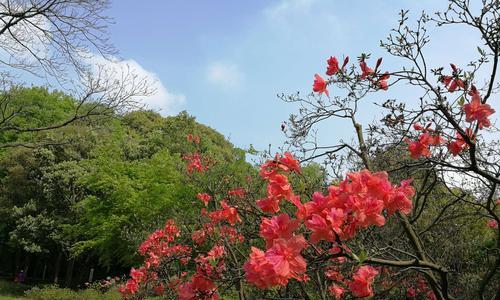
(409, 208)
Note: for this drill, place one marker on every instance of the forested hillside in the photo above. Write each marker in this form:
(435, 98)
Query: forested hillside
(85, 195)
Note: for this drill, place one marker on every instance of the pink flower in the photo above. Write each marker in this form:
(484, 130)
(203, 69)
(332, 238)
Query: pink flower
(278, 264)
(417, 126)
(333, 66)
(204, 197)
(319, 85)
(459, 145)
(361, 285)
(411, 293)
(269, 204)
(492, 224)
(366, 71)
(281, 226)
(453, 82)
(382, 81)
(336, 291)
(476, 111)
(239, 192)
(285, 257)
(320, 228)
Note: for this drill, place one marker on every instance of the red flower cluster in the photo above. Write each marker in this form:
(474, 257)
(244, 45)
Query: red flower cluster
(278, 188)
(357, 203)
(361, 200)
(193, 138)
(453, 82)
(282, 260)
(365, 70)
(459, 144)
(226, 213)
(277, 227)
(159, 246)
(280, 263)
(239, 192)
(157, 249)
(476, 111)
(204, 197)
(194, 163)
(209, 268)
(198, 288)
(421, 147)
(420, 288)
(378, 80)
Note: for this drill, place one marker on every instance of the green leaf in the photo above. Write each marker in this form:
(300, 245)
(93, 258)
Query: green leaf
(481, 51)
(362, 256)
(461, 101)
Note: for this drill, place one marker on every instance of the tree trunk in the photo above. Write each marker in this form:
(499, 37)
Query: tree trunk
(27, 261)
(57, 267)
(44, 272)
(69, 272)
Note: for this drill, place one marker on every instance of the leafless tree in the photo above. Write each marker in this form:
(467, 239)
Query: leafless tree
(66, 44)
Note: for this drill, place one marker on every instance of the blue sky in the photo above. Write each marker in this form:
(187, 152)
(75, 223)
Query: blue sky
(225, 61)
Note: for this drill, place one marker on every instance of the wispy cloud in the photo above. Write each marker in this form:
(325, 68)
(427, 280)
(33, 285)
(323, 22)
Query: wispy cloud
(224, 75)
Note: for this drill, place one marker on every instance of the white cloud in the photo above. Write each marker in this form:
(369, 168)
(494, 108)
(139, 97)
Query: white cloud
(161, 100)
(287, 8)
(224, 75)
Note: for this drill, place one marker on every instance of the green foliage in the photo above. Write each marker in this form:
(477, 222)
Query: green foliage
(103, 184)
(12, 290)
(52, 292)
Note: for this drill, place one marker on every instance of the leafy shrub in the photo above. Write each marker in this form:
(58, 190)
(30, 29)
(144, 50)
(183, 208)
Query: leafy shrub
(53, 292)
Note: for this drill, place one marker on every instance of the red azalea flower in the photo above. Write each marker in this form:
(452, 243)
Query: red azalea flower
(420, 148)
(336, 291)
(193, 138)
(321, 230)
(453, 82)
(366, 71)
(269, 204)
(411, 293)
(361, 286)
(459, 144)
(204, 197)
(319, 85)
(227, 213)
(285, 257)
(382, 81)
(333, 66)
(260, 272)
(417, 126)
(159, 289)
(281, 226)
(239, 192)
(290, 162)
(476, 111)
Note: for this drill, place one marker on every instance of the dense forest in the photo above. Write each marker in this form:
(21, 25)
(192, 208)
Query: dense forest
(84, 196)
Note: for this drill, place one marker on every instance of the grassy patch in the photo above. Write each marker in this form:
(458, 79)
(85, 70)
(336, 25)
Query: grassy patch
(10, 290)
